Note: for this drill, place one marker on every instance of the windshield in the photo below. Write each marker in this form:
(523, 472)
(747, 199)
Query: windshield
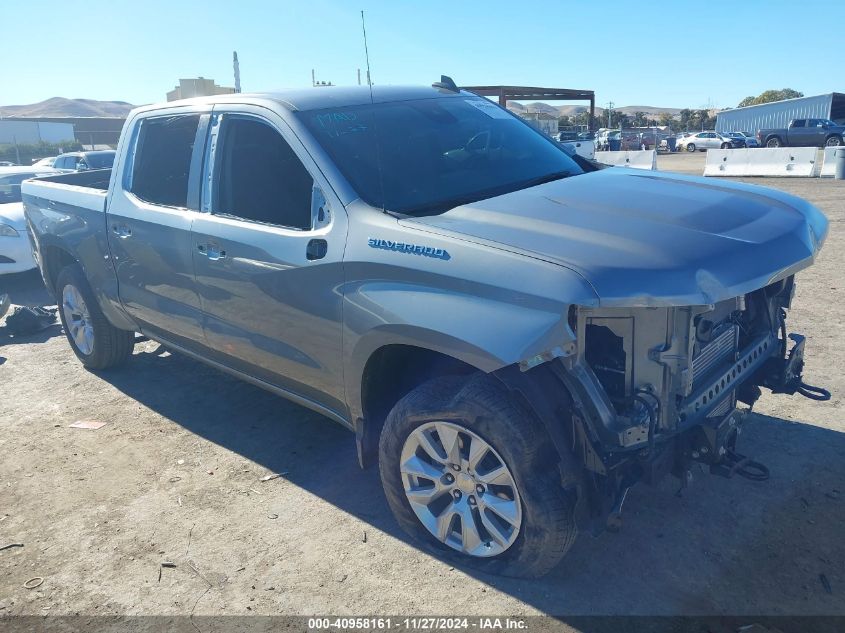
(10, 187)
(429, 155)
(100, 161)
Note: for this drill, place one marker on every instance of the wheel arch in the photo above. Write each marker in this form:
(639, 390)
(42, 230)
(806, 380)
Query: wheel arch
(54, 255)
(53, 258)
(391, 371)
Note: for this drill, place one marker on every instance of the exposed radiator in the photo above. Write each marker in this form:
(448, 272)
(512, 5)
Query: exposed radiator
(716, 352)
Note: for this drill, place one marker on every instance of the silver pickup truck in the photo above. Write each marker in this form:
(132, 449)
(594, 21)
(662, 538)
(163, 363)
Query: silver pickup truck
(515, 335)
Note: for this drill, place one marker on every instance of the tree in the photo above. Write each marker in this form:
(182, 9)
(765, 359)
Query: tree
(582, 118)
(665, 118)
(640, 119)
(770, 95)
(26, 153)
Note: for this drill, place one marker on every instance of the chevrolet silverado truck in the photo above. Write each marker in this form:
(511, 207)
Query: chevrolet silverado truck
(803, 133)
(515, 335)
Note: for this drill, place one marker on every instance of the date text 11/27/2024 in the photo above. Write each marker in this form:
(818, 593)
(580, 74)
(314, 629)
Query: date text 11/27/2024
(417, 624)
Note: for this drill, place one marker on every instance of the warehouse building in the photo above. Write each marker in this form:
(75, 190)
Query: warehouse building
(778, 114)
(33, 132)
(91, 132)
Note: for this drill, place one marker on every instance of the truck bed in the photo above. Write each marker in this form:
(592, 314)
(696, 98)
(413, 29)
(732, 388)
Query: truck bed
(86, 189)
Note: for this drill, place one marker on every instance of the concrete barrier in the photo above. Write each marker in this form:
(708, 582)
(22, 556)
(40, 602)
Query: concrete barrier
(764, 161)
(642, 159)
(828, 163)
(587, 149)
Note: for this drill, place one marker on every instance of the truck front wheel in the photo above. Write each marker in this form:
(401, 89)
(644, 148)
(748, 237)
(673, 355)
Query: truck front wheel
(471, 475)
(95, 341)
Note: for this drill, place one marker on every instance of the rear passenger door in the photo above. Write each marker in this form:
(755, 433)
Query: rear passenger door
(149, 224)
(797, 134)
(268, 253)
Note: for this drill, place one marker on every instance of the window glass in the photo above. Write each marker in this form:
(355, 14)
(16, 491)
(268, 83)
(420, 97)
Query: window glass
(10, 187)
(425, 156)
(163, 159)
(259, 177)
(798, 123)
(100, 160)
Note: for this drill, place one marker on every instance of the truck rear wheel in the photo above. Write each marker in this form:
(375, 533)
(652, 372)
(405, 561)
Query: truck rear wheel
(833, 141)
(471, 475)
(773, 142)
(95, 341)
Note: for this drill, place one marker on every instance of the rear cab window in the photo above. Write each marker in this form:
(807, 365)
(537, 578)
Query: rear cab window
(161, 163)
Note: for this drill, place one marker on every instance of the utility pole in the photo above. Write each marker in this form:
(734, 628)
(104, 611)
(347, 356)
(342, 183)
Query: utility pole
(610, 105)
(359, 76)
(237, 68)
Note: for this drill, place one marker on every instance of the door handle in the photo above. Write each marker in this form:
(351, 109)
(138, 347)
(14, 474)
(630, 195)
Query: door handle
(212, 251)
(316, 249)
(121, 230)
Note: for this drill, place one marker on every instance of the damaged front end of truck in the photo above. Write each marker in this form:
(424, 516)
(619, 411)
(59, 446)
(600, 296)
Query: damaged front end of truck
(651, 391)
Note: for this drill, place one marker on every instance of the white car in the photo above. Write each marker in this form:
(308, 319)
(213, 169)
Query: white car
(45, 162)
(709, 139)
(15, 248)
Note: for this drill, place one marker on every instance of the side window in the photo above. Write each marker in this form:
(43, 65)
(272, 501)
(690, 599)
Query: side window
(64, 162)
(798, 123)
(259, 177)
(163, 159)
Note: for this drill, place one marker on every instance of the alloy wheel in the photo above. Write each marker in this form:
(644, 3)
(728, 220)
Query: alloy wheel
(78, 319)
(460, 489)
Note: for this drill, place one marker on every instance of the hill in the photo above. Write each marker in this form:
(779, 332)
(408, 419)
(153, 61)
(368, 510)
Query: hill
(61, 107)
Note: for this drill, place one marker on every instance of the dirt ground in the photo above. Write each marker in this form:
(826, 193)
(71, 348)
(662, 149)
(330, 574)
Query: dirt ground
(176, 473)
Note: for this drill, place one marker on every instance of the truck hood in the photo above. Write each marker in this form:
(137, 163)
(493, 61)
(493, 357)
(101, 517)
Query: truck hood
(648, 238)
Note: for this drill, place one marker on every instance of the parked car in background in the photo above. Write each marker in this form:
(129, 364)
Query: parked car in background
(15, 247)
(607, 139)
(44, 162)
(7, 163)
(803, 133)
(750, 139)
(709, 139)
(515, 336)
(83, 161)
(564, 137)
(739, 136)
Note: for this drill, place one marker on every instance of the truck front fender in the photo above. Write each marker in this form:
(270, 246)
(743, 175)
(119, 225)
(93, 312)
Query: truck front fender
(487, 332)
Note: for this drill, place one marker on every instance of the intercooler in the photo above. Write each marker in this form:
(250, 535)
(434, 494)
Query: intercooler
(711, 356)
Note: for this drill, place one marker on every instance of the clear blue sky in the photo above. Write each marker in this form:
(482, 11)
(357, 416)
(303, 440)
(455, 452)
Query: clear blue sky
(673, 53)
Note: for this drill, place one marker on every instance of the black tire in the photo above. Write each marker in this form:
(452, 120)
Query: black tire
(726, 145)
(833, 141)
(111, 346)
(690, 147)
(479, 403)
(774, 142)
